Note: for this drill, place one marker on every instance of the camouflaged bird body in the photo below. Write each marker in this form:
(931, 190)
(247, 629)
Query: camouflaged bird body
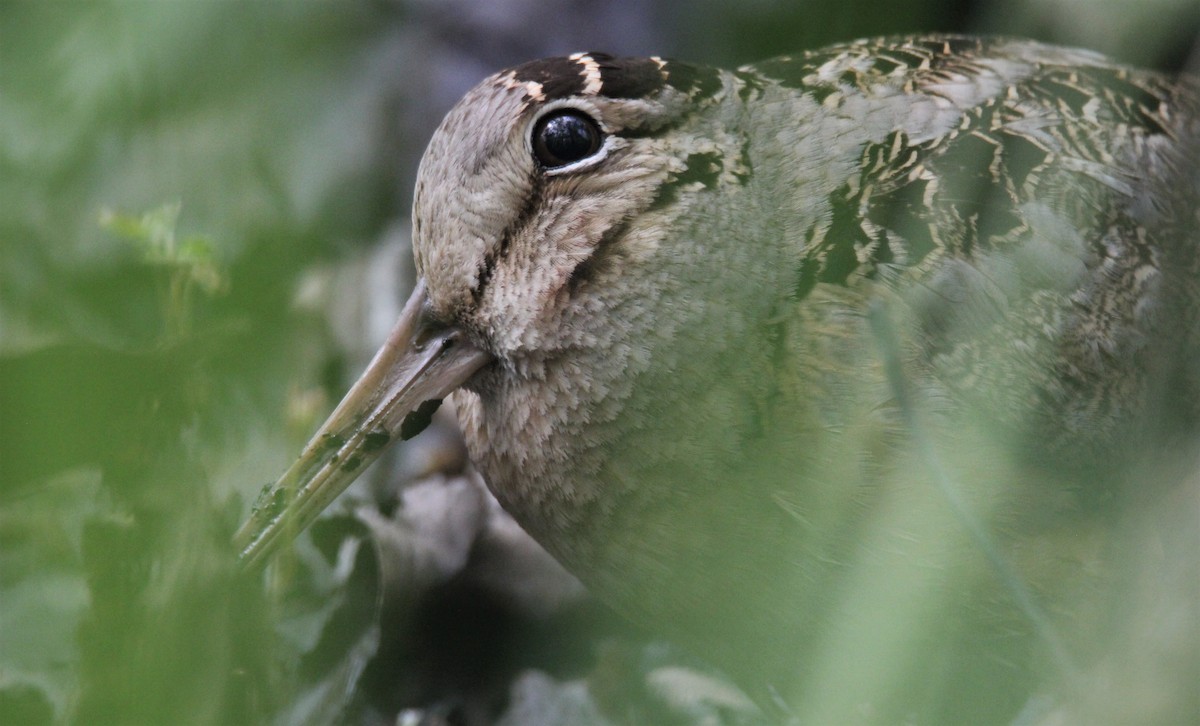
(1032, 191)
(1028, 199)
(688, 406)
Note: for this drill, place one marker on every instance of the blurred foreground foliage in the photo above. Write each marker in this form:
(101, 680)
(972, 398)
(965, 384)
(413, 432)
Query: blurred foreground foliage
(168, 174)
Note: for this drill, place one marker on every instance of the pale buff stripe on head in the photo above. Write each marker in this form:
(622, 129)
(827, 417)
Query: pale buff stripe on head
(592, 79)
(532, 89)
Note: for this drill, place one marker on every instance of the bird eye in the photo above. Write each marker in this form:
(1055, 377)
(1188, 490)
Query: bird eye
(565, 137)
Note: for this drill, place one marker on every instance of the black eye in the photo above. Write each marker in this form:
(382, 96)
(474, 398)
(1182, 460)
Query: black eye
(564, 137)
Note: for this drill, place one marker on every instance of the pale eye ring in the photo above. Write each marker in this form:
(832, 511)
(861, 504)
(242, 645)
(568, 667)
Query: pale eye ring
(565, 137)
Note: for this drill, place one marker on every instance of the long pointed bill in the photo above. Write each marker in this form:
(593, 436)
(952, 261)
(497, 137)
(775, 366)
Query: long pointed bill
(419, 364)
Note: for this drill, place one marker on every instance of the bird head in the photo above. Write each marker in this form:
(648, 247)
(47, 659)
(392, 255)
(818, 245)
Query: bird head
(539, 187)
(545, 183)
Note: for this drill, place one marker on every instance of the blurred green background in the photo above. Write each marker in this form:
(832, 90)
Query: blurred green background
(203, 220)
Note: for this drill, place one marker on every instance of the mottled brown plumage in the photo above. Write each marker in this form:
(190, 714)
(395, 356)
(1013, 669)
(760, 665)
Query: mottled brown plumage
(671, 316)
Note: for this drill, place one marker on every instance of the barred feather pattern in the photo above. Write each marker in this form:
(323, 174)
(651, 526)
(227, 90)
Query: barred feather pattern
(687, 398)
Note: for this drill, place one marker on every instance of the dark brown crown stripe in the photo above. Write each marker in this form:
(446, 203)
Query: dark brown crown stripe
(624, 78)
(570, 76)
